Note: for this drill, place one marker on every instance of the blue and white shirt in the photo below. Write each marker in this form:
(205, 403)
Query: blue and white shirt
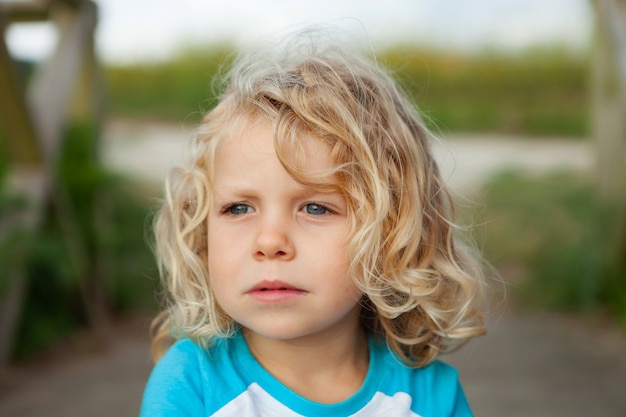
(227, 381)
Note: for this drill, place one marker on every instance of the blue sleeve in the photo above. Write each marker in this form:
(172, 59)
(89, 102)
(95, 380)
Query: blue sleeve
(448, 390)
(438, 392)
(175, 385)
(461, 406)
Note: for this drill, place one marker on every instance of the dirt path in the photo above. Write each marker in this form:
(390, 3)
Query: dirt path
(529, 365)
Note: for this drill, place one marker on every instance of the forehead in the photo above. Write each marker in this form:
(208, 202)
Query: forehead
(256, 140)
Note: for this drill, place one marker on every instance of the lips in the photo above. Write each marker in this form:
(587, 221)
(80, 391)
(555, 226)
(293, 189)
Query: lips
(275, 292)
(274, 286)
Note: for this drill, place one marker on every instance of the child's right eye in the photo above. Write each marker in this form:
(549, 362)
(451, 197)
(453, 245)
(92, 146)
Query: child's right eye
(238, 209)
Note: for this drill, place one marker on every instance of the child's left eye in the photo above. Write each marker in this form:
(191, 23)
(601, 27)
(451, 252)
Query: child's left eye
(316, 209)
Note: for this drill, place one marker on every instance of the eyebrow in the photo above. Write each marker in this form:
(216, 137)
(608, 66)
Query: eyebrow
(243, 191)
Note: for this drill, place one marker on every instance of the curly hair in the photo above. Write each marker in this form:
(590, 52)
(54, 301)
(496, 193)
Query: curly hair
(422, 288)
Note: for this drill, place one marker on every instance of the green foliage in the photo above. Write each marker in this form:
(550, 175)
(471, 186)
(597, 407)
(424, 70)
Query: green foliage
(111, 216)
(178, 90)
(133, 275)
(537, 92)
(52, 308)
(93, 212)
(555, 229)
(14, 242)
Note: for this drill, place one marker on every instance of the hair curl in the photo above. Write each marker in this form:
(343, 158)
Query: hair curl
(422, 289)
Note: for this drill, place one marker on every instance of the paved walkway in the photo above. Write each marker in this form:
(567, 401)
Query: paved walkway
(82, 379)
(545, 365)
(530, 364)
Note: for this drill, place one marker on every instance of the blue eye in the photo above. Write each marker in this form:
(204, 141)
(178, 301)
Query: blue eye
(315, 209)
(238, 209)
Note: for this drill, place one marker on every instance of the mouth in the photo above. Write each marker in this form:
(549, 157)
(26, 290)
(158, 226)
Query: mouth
(274, 286)
(275, 291)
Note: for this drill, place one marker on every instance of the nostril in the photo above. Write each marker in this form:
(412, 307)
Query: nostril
(273, 248)
(279, 253)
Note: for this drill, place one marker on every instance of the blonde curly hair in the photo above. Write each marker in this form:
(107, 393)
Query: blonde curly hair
(422, 289)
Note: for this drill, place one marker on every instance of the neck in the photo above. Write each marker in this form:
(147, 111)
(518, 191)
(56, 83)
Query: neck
(323, 368)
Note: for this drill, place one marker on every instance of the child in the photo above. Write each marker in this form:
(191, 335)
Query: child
(308, 251)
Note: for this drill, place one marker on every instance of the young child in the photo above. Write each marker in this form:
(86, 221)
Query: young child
(308, 251)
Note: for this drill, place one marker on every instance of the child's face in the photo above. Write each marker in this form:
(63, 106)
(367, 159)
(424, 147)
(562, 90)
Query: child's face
(277, 254)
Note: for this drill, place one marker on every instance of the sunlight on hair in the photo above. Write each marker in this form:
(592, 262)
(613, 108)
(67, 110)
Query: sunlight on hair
(423, 289)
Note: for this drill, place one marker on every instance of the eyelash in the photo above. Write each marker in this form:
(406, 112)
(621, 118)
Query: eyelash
(229, 208)
(326, 210)
(322, 207)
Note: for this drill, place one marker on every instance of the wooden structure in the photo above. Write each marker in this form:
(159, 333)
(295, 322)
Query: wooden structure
(33, 119)
(609, 96)
(608, 89)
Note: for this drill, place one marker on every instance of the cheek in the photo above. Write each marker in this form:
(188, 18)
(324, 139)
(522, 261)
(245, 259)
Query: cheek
(220, 281)
(217, 255)
(220, 260)
(337, 267)
(352, 290)
(219, 240)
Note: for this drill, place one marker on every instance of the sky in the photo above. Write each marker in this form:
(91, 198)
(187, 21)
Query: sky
(148, 30)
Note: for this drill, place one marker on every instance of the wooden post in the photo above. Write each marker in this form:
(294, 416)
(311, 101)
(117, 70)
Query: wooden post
(609, 98)
(14, 112)
(27, 177)
(34, 122)
(54, 82)
(609, 122)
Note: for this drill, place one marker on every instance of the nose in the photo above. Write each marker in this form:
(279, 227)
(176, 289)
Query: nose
(273, 242)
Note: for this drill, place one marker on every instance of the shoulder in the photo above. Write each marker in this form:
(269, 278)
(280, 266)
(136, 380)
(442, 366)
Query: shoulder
(441, 391)
(435, 390)
(184, 361)
(181, 352)
(188, 379)
(438, 375)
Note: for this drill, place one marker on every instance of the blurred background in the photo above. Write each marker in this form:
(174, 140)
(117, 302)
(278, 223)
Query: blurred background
(527, 98)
